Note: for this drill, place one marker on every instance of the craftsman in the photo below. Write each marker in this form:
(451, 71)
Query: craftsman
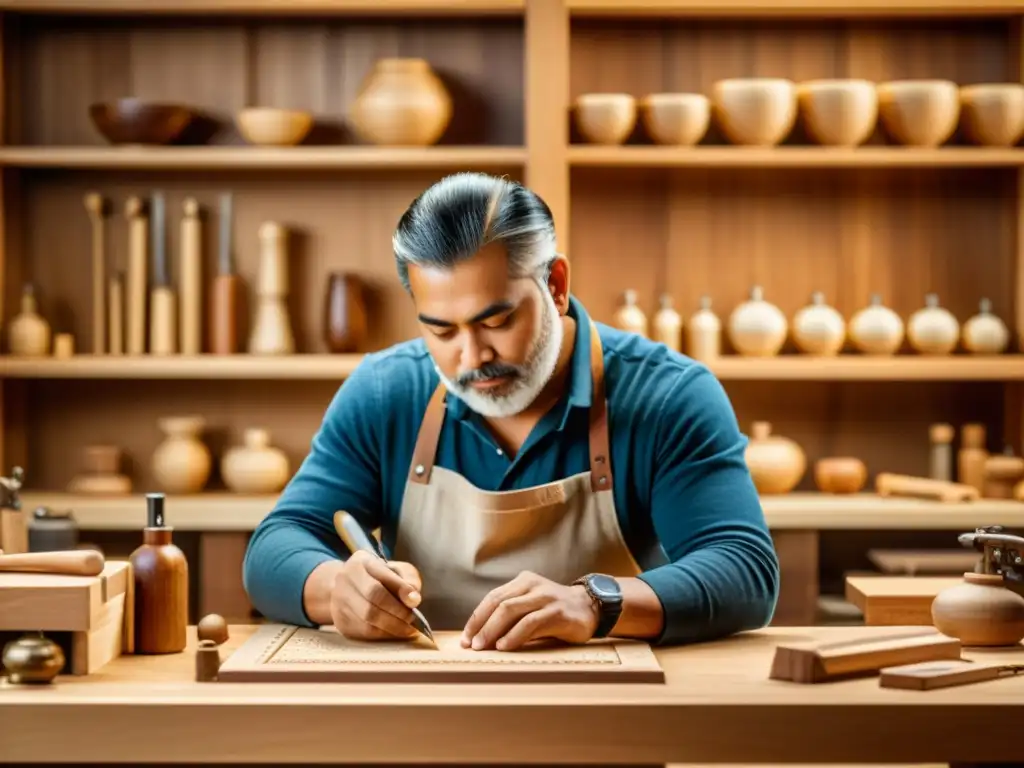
(533, 473)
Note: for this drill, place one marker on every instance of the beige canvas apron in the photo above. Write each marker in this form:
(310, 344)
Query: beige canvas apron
(465, 541)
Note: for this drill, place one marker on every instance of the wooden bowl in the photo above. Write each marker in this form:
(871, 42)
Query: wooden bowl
(919, 113)
(839, 113)
(134, 121)
(993, 113)
(605, 118)
(679, 119)
(269, 126)
(840, 474)
(755, 111)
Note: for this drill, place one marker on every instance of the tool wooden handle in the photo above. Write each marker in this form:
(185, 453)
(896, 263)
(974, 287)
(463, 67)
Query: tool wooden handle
(72, 562)
(190, 320)
(138, 277)
(889, 484)
(224, 311)
(162, 321)
(116, 307)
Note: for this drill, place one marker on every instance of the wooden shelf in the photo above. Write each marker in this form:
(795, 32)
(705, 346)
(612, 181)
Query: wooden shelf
(810, 511)
(269, 7)
(862, 368)
(330, 367)
(800, 8)
(792, 157)
(304, 367)
(261, 158)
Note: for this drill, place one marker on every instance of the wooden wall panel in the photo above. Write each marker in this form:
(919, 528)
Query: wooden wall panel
(221, 67)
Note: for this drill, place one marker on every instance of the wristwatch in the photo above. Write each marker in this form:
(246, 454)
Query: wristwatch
(607, 596)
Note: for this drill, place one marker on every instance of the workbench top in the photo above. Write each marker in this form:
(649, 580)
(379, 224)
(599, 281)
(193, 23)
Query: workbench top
(717, 705)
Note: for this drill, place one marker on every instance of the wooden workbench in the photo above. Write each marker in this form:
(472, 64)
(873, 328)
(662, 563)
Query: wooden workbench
(717, 707)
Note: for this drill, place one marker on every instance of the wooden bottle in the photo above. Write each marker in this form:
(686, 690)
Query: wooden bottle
(160, 571)
(29, 334)
(942, 452)
(668, 325)
(272, 328)
(972, 455)
(345, 320)
(629, 317)
(704, 333)
(190, 317)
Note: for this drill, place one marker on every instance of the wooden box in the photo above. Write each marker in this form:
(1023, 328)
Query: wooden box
(90, 617)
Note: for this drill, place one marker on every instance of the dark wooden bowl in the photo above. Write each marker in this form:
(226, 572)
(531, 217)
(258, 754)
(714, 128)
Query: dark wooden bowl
(134, 121)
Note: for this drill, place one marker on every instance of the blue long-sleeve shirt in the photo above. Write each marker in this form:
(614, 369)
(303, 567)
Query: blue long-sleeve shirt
(686, 502)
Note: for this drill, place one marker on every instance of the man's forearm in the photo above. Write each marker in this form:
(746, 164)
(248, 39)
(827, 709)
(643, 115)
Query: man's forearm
(642, 614)
(316, 592)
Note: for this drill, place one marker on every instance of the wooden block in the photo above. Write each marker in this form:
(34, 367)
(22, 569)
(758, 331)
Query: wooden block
(818, 662)
(285, 653)
(897, 600)
(928, 675)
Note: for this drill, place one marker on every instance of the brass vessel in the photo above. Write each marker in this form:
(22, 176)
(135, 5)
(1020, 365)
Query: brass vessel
(32, 658)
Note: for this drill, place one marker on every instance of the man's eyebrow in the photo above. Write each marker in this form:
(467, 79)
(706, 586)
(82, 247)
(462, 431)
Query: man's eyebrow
(494, 309)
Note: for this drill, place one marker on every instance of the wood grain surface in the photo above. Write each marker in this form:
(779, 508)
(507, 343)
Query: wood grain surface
(717, 706)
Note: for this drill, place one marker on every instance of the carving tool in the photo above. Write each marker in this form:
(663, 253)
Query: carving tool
(163, 320)
(355, 538)
(224, 309)
(138, 277)
(95, 205)
(72, 562)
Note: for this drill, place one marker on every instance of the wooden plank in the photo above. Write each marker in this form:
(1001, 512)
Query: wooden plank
(310, 367)
(547, 105)
(798, 8)
(795, 511)
(310, 158)
(269, 7)
(792, 157)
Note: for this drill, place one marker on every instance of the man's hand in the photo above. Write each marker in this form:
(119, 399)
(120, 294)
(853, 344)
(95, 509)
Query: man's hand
(371, 599)
(530, 607)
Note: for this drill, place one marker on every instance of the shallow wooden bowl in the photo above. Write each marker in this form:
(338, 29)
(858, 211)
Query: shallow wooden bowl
(605, 118)
(755, 111)
(840, 113)
(269, 126)
(135, 121)
(679, 119)
(840, 474)
(919, 113)
(993, 113)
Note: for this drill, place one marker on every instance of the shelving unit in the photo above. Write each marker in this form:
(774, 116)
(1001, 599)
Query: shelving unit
(713, 219)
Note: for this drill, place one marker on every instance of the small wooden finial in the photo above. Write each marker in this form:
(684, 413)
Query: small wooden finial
(207, 661)
(213, 628)
(95, 204)
(191, 207)
(133, 207)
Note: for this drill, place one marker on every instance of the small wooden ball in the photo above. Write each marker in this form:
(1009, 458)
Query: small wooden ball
(213, 627)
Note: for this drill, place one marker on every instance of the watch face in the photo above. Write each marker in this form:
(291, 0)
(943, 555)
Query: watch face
(604, 586)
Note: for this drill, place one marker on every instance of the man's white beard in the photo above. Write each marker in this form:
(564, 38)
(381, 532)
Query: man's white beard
(516, 396)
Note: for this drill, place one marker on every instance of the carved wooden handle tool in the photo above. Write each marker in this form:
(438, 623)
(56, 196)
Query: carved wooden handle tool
(138, 277)
(72, 562)
(96, 206)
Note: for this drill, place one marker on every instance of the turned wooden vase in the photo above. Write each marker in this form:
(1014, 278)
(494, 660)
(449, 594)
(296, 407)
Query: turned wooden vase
(182, 462)
(402, 102)
(981, 611)
(345, 321)
(255, 467)
(776, 463)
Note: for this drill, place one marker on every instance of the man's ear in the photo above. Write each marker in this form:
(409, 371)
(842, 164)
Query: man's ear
(558, 283)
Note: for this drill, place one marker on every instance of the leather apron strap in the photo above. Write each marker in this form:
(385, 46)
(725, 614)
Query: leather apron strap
(600, 466)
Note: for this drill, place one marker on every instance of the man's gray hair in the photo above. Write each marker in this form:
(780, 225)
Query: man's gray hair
(462, 213)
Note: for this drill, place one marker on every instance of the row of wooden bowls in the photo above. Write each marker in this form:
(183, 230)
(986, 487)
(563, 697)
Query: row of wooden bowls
(844, 112)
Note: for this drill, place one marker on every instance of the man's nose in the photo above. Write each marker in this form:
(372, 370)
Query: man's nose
(475, 353)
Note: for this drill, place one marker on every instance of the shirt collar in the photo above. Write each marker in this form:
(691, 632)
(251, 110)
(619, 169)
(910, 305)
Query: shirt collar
(580, 381)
